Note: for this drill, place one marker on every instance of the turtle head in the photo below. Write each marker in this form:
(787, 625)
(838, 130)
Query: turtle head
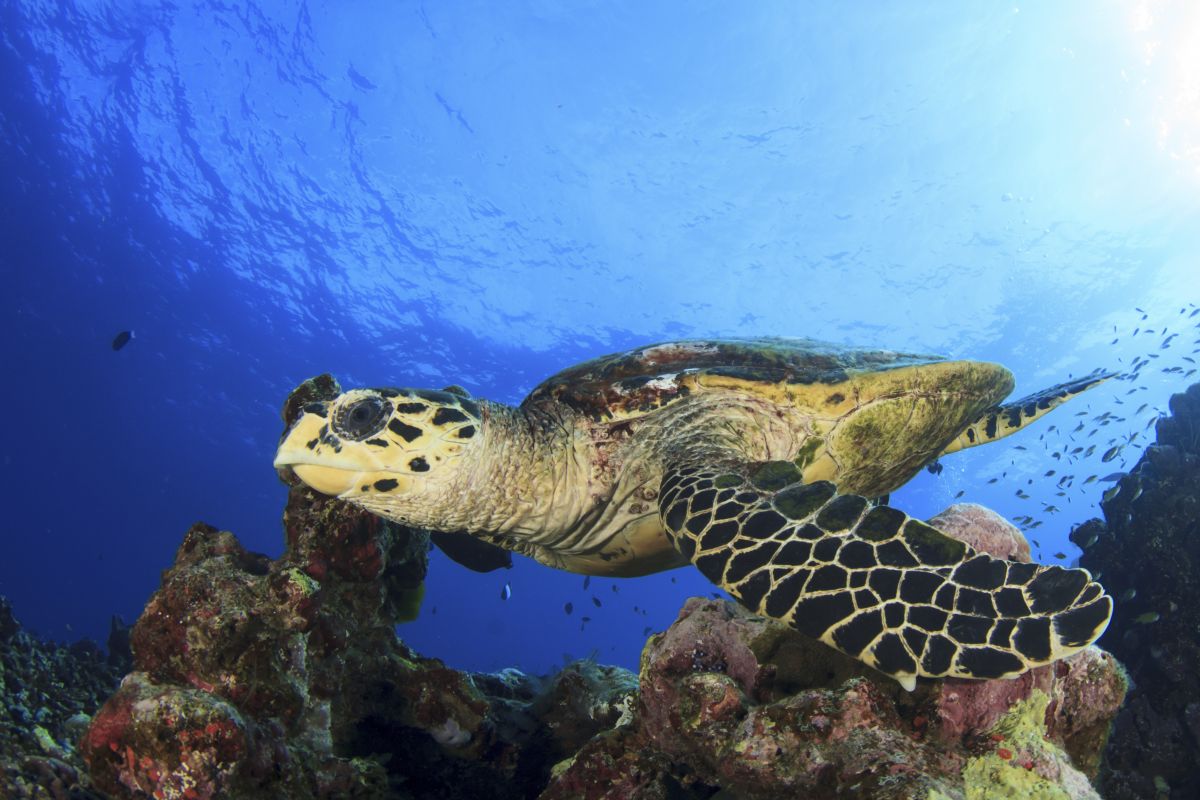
(393, 451)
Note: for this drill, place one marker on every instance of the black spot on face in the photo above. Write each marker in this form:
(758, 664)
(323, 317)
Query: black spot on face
(971, 435)
(406, 432)
(440, 398)
(311, 444)
(315, 408)
(386, 484)
(378, 442)
(419, 464)
(446, 415)
(466, 432)
(411, 408)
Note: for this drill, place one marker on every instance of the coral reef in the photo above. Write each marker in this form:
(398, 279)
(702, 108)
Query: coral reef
(47, 694)
(256, 678)
(1148, 551)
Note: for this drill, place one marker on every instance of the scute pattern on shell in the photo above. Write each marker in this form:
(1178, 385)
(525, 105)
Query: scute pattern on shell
(644, 379)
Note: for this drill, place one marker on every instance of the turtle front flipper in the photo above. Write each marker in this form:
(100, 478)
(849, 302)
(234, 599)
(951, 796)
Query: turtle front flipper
(873, 582)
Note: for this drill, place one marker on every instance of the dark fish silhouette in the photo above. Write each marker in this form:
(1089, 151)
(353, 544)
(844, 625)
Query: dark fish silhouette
(121, 339)
(568, 608)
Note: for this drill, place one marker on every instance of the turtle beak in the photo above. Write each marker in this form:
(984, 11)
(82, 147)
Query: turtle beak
(316, 464)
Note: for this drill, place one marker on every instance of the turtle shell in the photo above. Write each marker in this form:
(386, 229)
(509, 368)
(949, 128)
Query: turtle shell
(637, 382)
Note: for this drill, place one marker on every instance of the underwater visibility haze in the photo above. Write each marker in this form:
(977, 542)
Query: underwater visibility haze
(205, 204)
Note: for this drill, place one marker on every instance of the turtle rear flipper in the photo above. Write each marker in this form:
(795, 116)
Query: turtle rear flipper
(872, 582)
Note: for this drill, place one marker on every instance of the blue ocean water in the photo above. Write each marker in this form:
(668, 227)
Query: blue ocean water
(420, 194)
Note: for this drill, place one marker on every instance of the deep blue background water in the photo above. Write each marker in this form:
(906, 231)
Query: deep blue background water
(481, 193)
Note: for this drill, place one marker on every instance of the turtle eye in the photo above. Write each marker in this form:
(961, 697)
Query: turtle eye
(362, 418)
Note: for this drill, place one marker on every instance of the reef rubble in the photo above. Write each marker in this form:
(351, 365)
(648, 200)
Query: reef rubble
(48, 692)
(1147, 550)
(256, 678)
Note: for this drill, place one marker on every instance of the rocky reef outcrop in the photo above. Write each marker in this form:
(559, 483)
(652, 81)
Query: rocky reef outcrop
(257, 678)
(48, 692)
(1147, 551)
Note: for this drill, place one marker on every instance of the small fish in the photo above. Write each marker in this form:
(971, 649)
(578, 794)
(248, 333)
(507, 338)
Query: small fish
(993, 480)
(1090, 479)
(1060, 556)
(121, 339)
(1111, 453)
(596, 601)
(1112, 477)
(1110, 493)
(506, 592)
(587, 581)
(960, 493)
(647, 631)
(568, 608)
(1128, 595)
(1147, 618)
(1049, 472)
(934, 468)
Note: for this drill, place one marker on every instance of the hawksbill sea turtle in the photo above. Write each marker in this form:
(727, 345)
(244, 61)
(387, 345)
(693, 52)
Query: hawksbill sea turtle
(761, 461)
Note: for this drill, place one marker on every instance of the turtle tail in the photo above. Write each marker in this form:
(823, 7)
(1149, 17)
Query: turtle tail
(1003, 420)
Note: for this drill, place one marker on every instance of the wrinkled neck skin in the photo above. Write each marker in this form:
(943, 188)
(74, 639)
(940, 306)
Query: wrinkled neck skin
(518, 480)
